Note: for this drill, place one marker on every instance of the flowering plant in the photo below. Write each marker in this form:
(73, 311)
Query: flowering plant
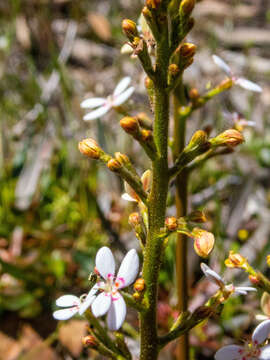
(172, 162)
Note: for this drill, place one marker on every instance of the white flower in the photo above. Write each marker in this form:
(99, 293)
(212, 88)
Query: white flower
(238, 120)
(250, 351)
(105, 296)
(103, 105)
(71, 304)
(130, 194)
(217, 279)
(244, 83)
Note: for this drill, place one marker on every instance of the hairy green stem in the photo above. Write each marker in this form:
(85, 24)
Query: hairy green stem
(156, 204)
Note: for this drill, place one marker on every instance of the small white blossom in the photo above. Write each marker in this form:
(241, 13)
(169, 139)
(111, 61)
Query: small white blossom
(102, 105)
(217, 279)
(250, 351)
(238, 120)
(105, 296)
(244, 83)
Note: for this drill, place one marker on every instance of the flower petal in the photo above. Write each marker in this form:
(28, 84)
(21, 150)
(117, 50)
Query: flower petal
(212, 275)
(96, 113)
(244, 289)
(248, 85)
(129, 268)
(105, 262)
(67, 301)
(65, 314)
(131, 192)
(101, 304)
(230, 352)
(261, 332)
(122, 85)
(92, 103)
(120, 99)
(265, 353)
(127, 197)
(89, 299)
(116, 314)
(222, 65)
(147, 179)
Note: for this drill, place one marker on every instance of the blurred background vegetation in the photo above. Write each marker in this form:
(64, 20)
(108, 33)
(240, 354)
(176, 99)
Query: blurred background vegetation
(57, 208)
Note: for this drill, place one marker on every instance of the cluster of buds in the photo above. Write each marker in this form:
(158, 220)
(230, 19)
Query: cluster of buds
(139, 287)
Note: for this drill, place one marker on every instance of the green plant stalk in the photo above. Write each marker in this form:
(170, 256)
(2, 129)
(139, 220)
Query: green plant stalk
(156, 205)
(181, 200)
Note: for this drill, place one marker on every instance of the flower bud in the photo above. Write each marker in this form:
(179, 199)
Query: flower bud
(268, 260)
(254, 280)
(171, 223)
(129, 124)
(200, 137)
(153, 4)
(265, 303)
(235, 260)
(90, 341)
(225, 84)
(174, 70)
(114, 165)
(186, 7)
(129, 28)
(204, 242)
(187, 50)
(146, 135)
(139, 285)
(194, 94)
(197, 216)
(229, 137)
(90, 148)
(147, 179)
(134, 219)
(148, 83)
(136, 296)
(146, 12)
(122, 158)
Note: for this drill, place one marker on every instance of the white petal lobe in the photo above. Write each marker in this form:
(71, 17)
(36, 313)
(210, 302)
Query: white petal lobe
(120, 99)
(230, 352)
(129, 268)
(265, 353)
(248, 85)
(67, 300)
(96, 113)
(222, 65)
(65, 314)
(92, 103)
(101, 304)
(122, 85)
(127, 197)
(261, 332)
(211, 275)
(105, 263)
(117, 313)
